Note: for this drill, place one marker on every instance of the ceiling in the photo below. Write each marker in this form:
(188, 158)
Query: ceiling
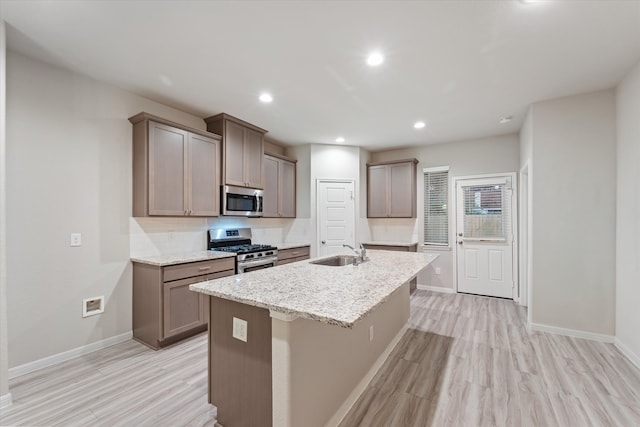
(457, 65)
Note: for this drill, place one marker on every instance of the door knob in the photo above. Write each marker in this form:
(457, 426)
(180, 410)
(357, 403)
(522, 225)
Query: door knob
(460, 234)
(323, 242)
(459, 242)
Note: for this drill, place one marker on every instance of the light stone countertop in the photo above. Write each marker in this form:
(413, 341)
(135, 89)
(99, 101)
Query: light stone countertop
(390, 243)
(283, 246)
(172, 259)
(334, 295)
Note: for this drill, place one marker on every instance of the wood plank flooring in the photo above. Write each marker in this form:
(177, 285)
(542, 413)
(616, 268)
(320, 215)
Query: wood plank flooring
(469, 361)
(124, 385)
(465, 361)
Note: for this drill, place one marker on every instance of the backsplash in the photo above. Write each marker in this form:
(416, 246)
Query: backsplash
(163, 236)
(394, 229)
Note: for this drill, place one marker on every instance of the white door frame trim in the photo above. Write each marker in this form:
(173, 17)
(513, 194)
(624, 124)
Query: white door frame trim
(514, 213)
(355, 208)
(524, 255)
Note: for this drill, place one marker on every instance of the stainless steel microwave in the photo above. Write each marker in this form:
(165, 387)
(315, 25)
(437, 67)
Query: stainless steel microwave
(240, 201)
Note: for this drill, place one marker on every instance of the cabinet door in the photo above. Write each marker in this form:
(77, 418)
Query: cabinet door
(253, 154)
(401, 190)
(377, 198)
(167, 165)
(271, 172)
(287, 189)
(182, 308)
(203, 178)
(234, 154)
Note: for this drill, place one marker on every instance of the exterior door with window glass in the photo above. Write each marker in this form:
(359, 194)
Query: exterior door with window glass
(484, 236)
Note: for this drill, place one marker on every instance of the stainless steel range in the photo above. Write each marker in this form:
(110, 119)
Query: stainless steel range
(249, 256)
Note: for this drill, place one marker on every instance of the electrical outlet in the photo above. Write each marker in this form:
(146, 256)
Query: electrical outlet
(240, 329)
(437, 270)
(76, 239)
(92, 306)
(371, 333)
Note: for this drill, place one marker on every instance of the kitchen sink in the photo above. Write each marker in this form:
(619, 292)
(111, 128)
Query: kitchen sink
(337, 260)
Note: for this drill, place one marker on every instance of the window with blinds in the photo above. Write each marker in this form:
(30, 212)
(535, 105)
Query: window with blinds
(436, 206)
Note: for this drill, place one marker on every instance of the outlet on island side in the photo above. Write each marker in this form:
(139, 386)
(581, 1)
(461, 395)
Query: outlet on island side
(240, 329)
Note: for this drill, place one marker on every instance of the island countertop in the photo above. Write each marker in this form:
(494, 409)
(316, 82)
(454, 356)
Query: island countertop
(334, 295)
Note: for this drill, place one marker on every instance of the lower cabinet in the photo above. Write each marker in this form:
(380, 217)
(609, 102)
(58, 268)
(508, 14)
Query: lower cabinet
(413, 284)
(287, 256)
(164, 309)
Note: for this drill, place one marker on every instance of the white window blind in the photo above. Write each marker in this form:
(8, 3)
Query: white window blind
(436, 208)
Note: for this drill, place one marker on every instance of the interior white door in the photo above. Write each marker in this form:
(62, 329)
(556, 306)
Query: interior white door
(484, 236)
(336, 216)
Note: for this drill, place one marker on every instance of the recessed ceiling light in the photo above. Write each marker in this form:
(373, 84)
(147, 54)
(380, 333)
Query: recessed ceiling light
(266, 98)
(340, 139)
(374, 59)
(419, 125)
(505, 119)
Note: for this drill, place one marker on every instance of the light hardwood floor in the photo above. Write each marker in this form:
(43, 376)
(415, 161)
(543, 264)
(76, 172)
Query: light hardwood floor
(469, 361)
(465, 361)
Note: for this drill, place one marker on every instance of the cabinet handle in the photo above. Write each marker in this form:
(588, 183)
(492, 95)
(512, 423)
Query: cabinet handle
(186, 212)
(294, 253)
(204, 268)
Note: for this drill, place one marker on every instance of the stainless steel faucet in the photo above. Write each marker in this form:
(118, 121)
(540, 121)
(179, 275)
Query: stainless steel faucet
(362, 255)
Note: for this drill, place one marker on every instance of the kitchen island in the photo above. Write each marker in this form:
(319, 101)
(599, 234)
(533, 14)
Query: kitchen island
(308, 337)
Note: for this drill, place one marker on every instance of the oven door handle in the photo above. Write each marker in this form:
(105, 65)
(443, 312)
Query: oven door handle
(260, 261)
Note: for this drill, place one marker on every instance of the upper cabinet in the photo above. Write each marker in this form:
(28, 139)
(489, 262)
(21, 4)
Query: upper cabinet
(279, 187)
(391, 189)
(242, 150)
(176, 169)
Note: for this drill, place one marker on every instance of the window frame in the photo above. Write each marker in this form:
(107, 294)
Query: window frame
(426, 242)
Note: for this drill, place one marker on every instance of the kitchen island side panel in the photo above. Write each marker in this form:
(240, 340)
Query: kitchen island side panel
(240, 372)
(318, 368)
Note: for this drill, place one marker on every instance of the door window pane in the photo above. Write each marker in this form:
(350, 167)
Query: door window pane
(483, 212)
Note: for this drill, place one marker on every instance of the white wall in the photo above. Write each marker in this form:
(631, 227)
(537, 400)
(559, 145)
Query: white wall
(628, 215)
(5, 397)
(69, 170)
(336, 162)
(573, 235)
(474, 157)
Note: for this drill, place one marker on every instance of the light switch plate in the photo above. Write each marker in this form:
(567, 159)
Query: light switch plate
(76, 239)
(240, 329)
(437, 270)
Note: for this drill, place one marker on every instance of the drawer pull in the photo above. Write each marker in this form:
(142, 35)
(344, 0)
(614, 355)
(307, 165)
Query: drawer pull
(204, 268)
(295, 253)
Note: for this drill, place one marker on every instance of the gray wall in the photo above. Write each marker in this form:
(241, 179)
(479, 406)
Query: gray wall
(628, 214)
(495, 154)
(4, 364)
(573, 235)
(69, 170)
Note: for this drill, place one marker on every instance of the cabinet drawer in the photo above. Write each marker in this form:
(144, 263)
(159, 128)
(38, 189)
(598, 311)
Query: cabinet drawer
(200, 268)
(293, 253)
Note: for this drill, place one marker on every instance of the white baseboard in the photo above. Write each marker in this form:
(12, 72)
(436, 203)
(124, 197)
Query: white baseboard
(16, 371)
(571, 332)
(436, 289)
(634, 358)
(343, 410)
(5, 401)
